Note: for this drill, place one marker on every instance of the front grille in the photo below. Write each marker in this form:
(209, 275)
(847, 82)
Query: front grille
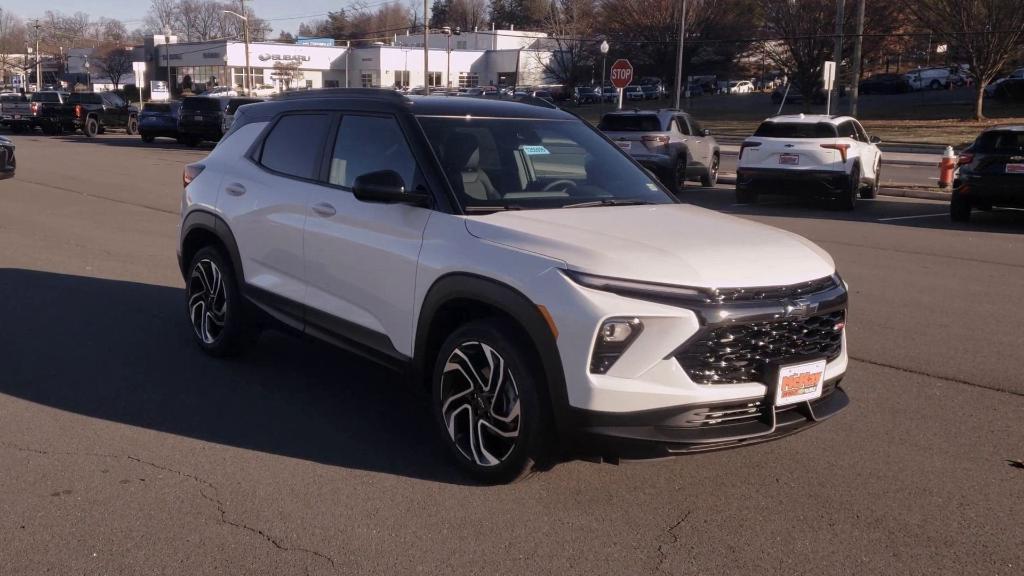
(741, 352)
(775, 292)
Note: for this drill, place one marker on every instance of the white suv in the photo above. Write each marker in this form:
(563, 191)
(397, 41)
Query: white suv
(830, 156)
(540, 286)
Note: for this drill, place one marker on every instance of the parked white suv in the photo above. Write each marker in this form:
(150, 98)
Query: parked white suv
(542, 288)
(929, 78)
(830, 156)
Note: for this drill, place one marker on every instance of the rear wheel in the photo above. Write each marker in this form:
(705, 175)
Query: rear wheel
(848, 198)
(214, 305)
(959, 208)
(935, 85)
(91, 128)
(711, 178)
(133, 126)
(871, 191)
(677, 179)
(486, 403)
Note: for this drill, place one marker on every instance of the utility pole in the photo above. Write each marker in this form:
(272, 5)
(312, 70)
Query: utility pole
(838, 51)
(39, 68)
(426, 48)
(679, 56)
(248, 70)
(857, 41)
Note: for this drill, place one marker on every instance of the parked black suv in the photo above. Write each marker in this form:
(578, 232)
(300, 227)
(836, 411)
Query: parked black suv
(202, 118)
(991, 173)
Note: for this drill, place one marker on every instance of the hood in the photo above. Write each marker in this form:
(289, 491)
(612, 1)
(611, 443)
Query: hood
(5, 141)
(671, 244)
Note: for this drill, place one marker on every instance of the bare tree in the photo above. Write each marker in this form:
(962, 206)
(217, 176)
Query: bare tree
(806, 29)
(163, 15)
(12, 40)
(987, 32)
(570, 24)
(113, 61)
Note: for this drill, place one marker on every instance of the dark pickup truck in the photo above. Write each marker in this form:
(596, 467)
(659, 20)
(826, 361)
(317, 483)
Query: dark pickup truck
(92, 113)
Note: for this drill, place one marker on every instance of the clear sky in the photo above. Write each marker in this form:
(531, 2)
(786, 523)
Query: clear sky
(282, 13)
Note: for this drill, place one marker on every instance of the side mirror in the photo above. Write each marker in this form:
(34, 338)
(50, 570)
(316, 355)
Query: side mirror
(387, 187)
(707, 132)
(875, 140)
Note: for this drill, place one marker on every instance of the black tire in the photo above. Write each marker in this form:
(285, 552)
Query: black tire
(133, 126)
(746, 195)
(869, 192)
(959, 208)
(148, 139)
(847, 199)
(17, 128)
(192, 141)
(935, 85)
(711, 178)
(48, 129)
(213, 304)
(461, 404)
(102, 129)
(91, 128)
(676, 179)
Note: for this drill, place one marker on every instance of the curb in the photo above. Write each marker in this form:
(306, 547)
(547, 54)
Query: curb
(910, 191)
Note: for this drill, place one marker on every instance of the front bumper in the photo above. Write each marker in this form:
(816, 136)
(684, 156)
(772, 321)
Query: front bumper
(702, 427)
(789, 181)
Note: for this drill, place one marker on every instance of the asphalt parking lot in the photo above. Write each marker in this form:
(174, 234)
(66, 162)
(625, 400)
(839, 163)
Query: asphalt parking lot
(125, 450)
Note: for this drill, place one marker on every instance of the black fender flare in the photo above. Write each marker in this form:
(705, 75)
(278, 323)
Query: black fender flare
(210, 222)
(460, 286)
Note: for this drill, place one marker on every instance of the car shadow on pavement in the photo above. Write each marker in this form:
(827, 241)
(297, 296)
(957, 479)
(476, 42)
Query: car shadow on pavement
(122, 351)
(125, 141)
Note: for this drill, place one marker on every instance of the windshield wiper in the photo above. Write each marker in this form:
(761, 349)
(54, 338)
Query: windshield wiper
(495, 208)
(608, 202)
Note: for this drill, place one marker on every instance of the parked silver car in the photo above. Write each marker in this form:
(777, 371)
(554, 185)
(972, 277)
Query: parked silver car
(669, 142)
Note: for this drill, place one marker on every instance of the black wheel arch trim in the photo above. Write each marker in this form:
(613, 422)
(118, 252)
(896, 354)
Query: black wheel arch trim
(496, 294)
(210, 222)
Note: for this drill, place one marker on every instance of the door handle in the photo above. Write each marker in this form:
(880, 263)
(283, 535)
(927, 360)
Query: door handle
(235, 189)
(324, 209)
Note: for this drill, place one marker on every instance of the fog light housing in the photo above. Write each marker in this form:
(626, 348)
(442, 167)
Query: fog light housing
(614, 337)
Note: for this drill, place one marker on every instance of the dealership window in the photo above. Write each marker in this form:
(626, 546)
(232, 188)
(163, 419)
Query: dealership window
(434, 79)
(460, 44)
(238, 77)
(368, 79)
(469, 80)
(201, 78)
(401, 78)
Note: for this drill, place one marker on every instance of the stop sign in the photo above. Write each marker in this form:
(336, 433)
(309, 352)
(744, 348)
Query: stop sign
(622, 73)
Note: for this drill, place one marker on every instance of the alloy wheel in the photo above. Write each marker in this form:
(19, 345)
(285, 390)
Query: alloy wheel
(480, 404)
(207, 301)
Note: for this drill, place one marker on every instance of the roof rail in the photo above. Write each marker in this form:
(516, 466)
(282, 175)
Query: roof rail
(342, 93)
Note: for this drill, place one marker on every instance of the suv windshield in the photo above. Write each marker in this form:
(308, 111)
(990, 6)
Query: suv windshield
(630, 123)
(796, 130)
(497, 163)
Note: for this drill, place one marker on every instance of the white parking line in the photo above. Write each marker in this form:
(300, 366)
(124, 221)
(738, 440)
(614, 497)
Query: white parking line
(916, 216)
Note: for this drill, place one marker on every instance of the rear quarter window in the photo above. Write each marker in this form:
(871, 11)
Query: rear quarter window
(45, 97)
(630, 123)
(795, 130)
(1000, 142)
(295, 144)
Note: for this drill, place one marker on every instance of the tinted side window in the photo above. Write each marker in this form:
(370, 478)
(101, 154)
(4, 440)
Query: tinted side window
(681, 125)
(367, 144)
(294, 145)
(697, 128)
(846, 130)
(862, 135)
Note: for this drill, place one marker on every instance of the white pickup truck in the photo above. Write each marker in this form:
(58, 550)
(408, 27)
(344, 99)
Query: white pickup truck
(15, 111)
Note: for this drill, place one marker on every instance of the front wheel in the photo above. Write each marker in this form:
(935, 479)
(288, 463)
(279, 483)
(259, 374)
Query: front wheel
(214, 305)
(484, 396)
(133, 127)
(711, 178)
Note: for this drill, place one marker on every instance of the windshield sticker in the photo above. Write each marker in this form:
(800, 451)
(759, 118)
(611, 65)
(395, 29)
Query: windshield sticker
(535, 150)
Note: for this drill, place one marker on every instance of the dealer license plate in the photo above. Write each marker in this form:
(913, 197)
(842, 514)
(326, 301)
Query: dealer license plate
(800, 382)
(789, 159)
(625, 144)
(1015, 168)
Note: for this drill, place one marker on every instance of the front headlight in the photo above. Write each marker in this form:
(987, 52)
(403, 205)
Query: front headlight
(641, 290)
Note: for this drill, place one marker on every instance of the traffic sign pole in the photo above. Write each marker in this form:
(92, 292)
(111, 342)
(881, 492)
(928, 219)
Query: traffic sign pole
(622, 76)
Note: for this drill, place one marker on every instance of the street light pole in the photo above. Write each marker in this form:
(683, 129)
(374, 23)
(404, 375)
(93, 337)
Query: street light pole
(426, 48)
(679, 55)
(604, 61)
(39, 68)
(247, 80)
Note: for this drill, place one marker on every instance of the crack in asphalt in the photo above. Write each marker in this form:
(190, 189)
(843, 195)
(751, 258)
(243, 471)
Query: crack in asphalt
(100, 197)
(675, 540)
(221, 509)
(950, 379)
